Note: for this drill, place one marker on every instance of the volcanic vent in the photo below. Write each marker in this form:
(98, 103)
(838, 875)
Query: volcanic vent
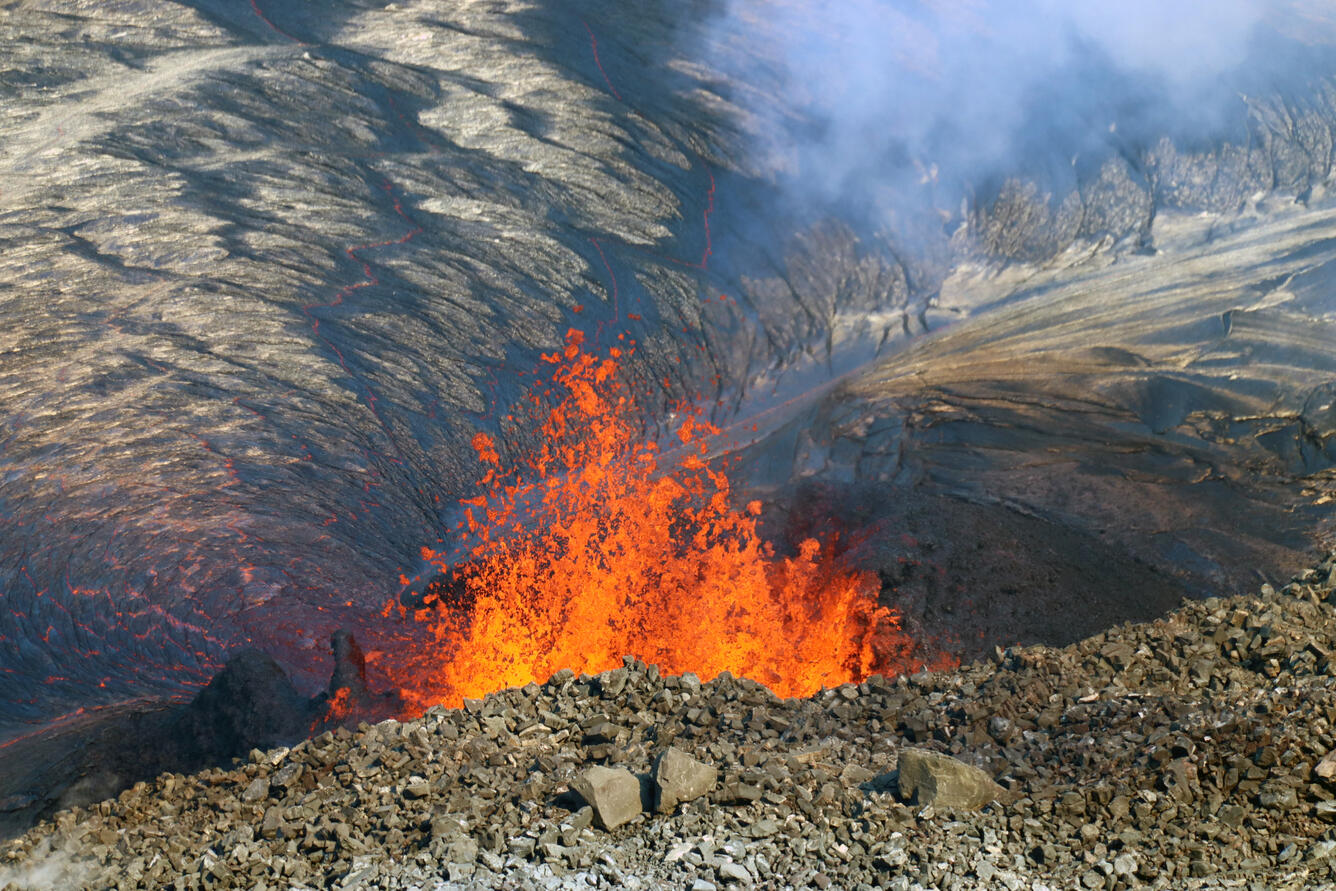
(598, 543)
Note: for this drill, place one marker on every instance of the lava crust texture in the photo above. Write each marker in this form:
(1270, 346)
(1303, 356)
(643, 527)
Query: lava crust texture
(267, 268)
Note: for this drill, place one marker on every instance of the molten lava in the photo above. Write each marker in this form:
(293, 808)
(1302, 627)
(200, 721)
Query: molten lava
(597, 544)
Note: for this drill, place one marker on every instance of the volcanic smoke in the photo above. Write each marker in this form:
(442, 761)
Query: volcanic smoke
(595, 544)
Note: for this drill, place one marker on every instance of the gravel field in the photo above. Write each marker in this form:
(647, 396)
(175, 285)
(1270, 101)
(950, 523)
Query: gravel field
(1193, 751)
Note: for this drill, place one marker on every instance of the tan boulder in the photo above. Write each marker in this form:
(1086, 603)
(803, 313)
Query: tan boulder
(613, 793)
(928, 777)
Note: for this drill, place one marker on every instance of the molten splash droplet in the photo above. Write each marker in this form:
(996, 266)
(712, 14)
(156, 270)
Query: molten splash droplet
(596, 545)
(337, 710)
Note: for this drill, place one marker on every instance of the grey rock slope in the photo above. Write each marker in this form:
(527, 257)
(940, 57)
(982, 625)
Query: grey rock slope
(1192, 752)
(1124, 429)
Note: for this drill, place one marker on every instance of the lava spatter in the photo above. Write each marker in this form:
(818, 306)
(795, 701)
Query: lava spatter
(598, 543)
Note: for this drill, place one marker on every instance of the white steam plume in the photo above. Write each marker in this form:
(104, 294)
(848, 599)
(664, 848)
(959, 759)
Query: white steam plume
(896, 93)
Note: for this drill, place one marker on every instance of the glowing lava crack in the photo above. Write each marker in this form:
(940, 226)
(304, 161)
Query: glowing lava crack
(596, 545)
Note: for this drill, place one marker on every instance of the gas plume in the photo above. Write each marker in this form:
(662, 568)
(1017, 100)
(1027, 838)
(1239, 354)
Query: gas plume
(907, 101)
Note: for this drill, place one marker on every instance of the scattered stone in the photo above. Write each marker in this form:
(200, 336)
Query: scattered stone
(931, 778)
(678, 777)
(1321, 851)
(734, 872)
(613, 682)
(272, 822)
(256, 790)
(613, 793)
(1278, 796)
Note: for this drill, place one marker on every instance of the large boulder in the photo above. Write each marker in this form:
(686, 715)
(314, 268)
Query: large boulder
(678, 777)
(928, 777)
(613, 793)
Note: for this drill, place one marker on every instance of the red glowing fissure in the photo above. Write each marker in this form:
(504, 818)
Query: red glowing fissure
(255, 7)
(593, 46)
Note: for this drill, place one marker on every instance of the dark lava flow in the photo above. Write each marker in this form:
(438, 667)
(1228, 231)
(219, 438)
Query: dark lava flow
(264, 272)
(262, 295)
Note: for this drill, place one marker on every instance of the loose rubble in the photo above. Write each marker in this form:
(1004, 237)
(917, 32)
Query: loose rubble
(1191, 752)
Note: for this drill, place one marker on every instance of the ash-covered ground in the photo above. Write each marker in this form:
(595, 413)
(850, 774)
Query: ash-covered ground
(267, 268)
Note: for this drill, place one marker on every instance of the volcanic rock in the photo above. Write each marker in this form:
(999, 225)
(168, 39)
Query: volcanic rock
(931, 778)
(734, 872)
(613, 793)
(349, 666)
(1092, 766)
(678, 777)
(250, 704)
(612, 682)
(258, 790)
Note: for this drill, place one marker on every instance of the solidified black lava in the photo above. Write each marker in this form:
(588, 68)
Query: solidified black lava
(250, 704)
(265, 271)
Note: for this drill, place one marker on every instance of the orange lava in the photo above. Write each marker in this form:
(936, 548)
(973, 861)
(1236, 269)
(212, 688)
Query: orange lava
(597, 544)
(338, 710)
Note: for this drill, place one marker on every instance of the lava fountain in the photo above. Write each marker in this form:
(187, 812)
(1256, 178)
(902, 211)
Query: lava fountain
(597, 543)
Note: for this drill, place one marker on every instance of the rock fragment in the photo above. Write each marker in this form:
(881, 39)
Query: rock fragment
(678, 777)
(257, 790)
(931, 778)
(734, 872)
(612, 682)
(613, 793)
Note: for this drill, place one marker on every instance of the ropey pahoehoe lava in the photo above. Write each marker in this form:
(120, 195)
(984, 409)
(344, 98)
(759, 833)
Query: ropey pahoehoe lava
(998, 359)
